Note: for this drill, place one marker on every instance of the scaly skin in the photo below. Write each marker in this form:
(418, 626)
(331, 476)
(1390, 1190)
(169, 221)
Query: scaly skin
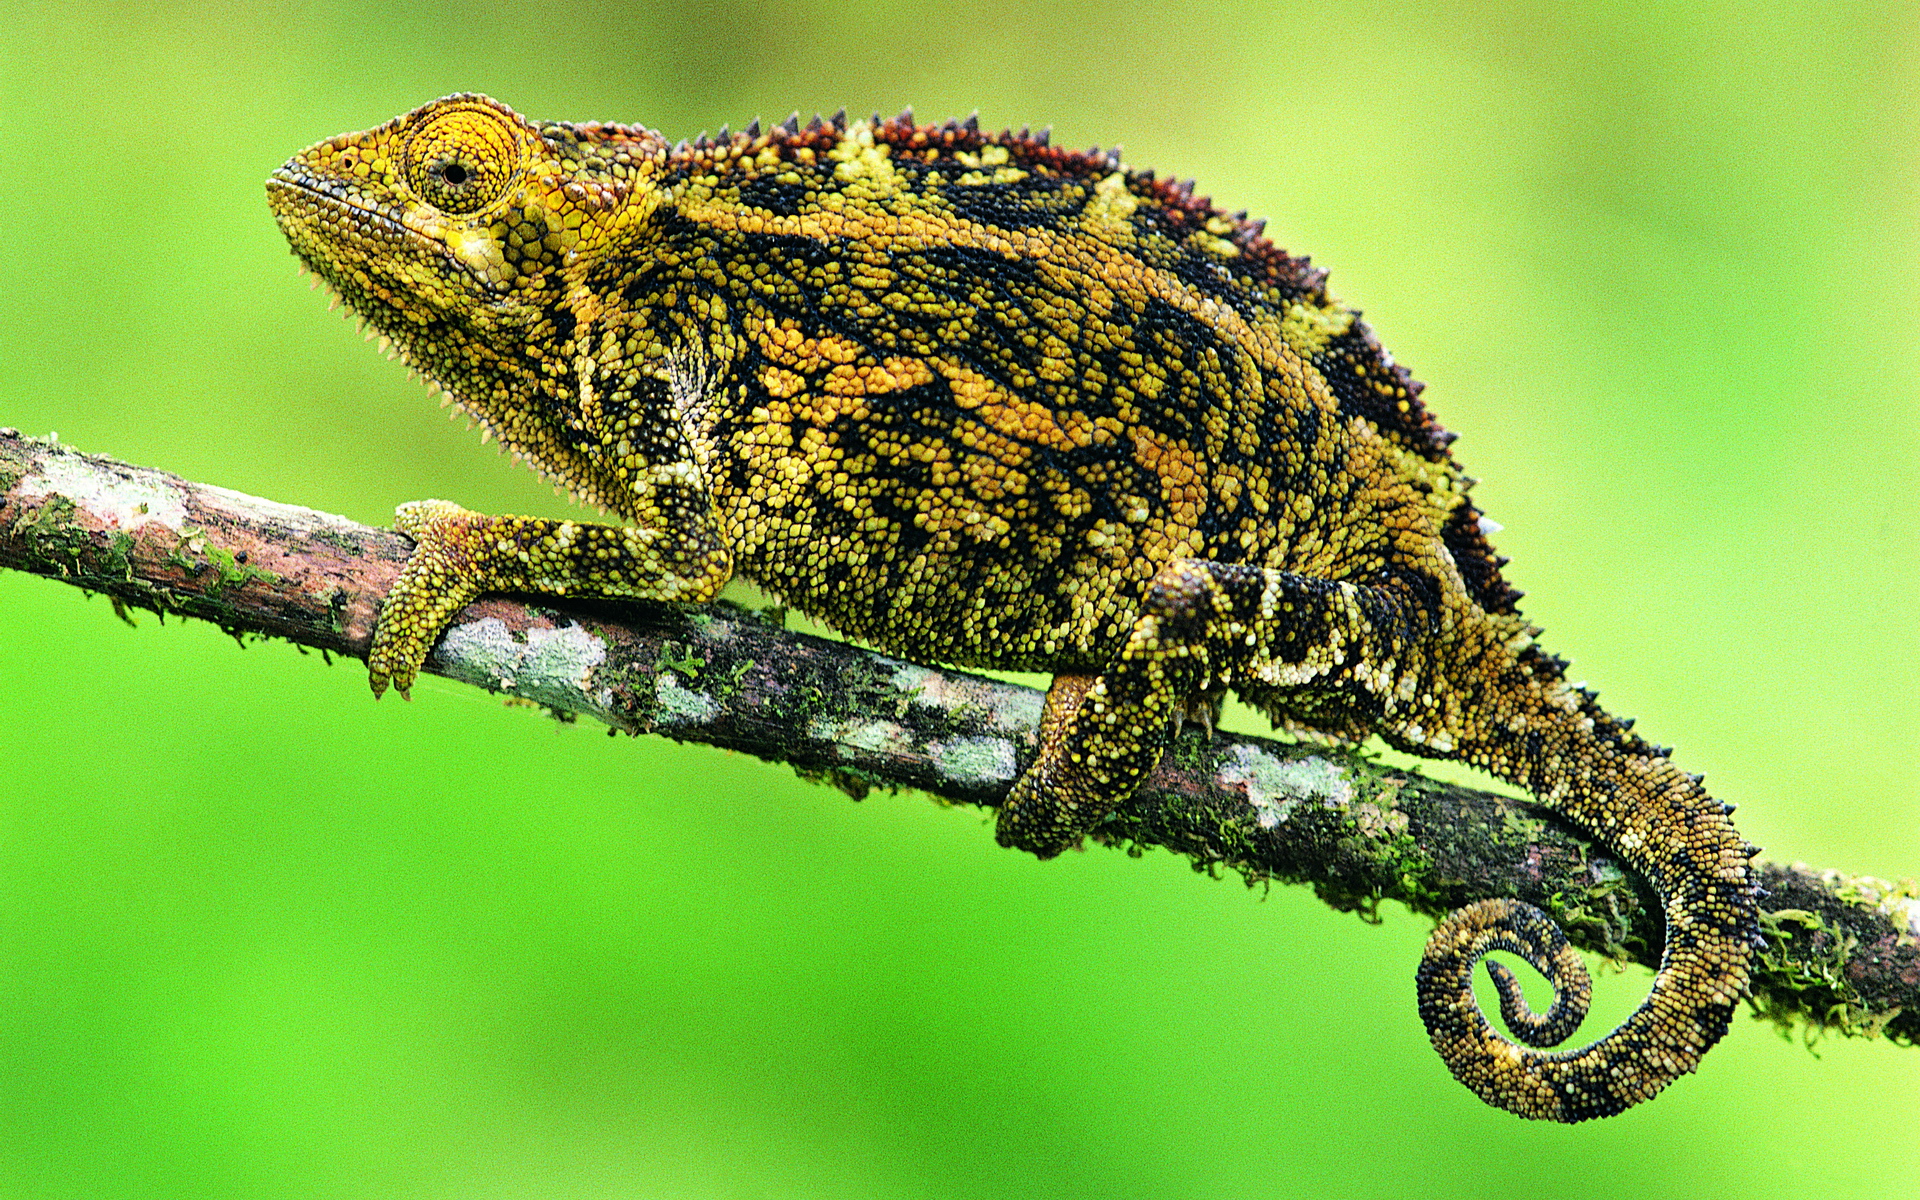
(977, 400)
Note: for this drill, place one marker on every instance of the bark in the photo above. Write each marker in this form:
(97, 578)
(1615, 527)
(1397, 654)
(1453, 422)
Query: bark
(1842, 955)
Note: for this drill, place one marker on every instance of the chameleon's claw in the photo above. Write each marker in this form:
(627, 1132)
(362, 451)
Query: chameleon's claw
(388, 664)
(381, 679)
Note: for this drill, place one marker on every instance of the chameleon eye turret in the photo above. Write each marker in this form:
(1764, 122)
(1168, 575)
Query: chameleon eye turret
(974, 399)
(463, 159)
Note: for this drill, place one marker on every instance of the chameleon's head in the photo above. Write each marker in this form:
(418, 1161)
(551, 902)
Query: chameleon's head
(460, 227)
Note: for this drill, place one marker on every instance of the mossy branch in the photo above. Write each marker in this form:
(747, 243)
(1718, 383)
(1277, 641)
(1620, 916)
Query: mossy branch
(1843, 951)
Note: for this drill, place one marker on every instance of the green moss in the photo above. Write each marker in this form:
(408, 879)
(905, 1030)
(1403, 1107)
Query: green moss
(856, 784)
(1598, 917)
(1377, 832)
(51, 530)
(1805, 967)
(1193, 751)
(677, 656)
(729, 682)
(230, 570)
(177, 556)
(119, 555)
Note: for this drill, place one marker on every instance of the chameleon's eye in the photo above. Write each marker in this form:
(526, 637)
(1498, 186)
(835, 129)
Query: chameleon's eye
(461, 161)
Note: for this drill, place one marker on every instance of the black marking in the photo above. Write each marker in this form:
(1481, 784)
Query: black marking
(1370, 385)
(1036, 202)
(1181, 342)
(771, 195)
(1478, 566)
(1209, 276)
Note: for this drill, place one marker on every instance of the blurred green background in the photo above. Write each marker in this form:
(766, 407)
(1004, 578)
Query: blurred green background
(262, 937)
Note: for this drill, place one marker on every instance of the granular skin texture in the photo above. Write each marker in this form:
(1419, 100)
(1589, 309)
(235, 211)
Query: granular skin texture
(975, 399)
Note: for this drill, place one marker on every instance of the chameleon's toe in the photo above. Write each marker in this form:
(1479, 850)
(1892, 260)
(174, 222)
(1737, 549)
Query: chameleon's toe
(393, 661)
(411, 619)
(420, 519)
(1037, 819)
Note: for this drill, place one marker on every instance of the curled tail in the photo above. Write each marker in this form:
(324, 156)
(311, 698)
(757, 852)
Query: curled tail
(1658, 820)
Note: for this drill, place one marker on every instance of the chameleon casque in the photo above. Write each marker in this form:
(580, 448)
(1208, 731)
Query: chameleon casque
(976, 399)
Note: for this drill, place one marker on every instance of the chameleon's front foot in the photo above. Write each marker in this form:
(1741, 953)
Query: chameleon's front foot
(458, 554)
(437, 582)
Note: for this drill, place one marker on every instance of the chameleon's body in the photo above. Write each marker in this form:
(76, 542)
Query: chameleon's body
(978, 400)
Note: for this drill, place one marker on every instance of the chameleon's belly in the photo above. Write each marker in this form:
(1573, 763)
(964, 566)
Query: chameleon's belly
(964, 586)
(1048, 577)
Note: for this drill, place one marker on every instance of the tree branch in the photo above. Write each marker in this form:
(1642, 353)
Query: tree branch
(1843, 951)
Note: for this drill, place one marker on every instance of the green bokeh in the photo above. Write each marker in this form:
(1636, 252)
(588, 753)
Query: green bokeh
(260, 936)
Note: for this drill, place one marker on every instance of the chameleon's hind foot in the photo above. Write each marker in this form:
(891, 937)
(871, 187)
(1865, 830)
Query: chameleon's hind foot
(1202, 626)
(1045, 813)
(1100, 736)
(457, 555)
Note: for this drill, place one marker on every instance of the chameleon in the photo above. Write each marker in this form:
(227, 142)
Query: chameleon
(974, 398)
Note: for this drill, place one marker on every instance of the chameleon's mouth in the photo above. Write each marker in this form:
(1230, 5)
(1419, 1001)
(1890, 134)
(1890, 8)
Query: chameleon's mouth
(294, 197)
(288, 179)
(317, 217)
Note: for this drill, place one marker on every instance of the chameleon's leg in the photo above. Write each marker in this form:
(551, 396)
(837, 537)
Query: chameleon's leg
(458, 555)
(1200, 622)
